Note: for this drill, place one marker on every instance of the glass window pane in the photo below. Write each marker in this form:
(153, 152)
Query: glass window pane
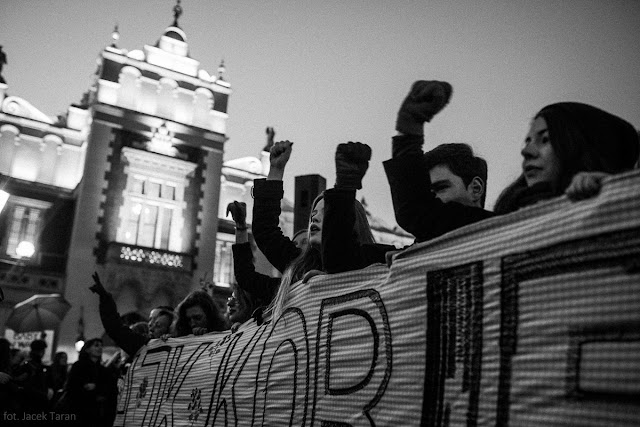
(137, 186)
(165, 229)
(168, 192)
(152, 189)
(147, 229)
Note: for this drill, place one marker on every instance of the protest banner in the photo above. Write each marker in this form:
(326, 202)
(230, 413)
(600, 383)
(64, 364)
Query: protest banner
(529, 319)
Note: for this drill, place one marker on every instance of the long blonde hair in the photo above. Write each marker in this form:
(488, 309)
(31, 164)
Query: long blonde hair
(310, 259)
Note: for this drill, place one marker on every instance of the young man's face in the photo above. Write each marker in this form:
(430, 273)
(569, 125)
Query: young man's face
(449, 187)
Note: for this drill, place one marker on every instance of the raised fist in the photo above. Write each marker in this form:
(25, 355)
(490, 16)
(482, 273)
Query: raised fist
(238, 212)
(352, 162)
(280, 153)
(425, 100)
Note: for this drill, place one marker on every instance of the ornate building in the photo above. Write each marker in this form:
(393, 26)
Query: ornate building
(129, 183)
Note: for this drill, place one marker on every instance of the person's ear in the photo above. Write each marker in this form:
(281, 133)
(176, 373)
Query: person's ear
(476, 188)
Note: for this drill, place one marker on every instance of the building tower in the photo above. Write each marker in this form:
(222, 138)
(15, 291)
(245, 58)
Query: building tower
(146, 213)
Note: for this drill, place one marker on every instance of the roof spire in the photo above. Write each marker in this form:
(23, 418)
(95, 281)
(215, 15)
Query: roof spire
(115, 36)
(221, 70)
(177, 11)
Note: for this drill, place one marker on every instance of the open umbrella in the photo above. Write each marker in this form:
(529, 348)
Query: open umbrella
(38, 313)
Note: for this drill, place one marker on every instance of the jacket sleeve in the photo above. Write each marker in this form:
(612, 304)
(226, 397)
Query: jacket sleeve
(120, 333)
(261, 286)
(416, 207)
(341, 250)
(278, 248)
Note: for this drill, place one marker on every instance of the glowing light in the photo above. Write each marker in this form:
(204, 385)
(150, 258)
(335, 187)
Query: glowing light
(79, 344)
(25, 249)
(4, 196)
(137, 208)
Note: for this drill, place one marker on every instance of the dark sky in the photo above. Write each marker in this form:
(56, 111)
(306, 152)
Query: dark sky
(326, 72)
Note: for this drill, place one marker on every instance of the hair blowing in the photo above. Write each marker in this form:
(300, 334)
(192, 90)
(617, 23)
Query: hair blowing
(310, 259)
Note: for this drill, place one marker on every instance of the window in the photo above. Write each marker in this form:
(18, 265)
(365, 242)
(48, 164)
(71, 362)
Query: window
(223, 267)
(25, 224)
(151, 215)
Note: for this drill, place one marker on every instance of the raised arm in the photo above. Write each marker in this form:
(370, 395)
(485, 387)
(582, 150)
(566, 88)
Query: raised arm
(342, 248)
(416, 207)
(267, 194)
(120, 333)
(261, 286)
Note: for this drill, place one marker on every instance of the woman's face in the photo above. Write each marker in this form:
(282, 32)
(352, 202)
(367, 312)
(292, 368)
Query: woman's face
(540, 162)
(315, 224)
(237, 310)
(95, 350)
(196, 317)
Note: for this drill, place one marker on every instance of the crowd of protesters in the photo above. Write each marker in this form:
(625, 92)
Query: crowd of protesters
(569, 149)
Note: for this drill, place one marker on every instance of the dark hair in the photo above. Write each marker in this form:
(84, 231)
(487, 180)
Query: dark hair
(310, 258)
(249, 300)
(87, 344)
(38, 345)
(584, 139)
(140, 328)
(57, 357)
(215, 321)
(461, 161)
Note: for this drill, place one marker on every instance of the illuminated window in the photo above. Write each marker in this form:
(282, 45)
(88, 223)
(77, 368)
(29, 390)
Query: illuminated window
(152, 212)
(223, 267)
(25, 223)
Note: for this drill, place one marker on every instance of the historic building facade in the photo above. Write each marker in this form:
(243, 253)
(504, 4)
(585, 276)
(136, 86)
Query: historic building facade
(129, 183)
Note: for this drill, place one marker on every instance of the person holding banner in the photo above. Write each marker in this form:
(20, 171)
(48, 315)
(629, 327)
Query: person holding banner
(418, 208)
(198, 314)
(569, 149)
(295, 263)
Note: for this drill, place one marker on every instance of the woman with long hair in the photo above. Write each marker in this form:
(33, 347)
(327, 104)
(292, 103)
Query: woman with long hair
(570, 147)
(198, 314)
(338, 227)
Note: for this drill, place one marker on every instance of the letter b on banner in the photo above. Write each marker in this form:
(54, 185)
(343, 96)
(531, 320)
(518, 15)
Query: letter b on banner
(353, 349)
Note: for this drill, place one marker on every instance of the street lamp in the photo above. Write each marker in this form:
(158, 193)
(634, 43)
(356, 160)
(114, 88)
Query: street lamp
(25, 249)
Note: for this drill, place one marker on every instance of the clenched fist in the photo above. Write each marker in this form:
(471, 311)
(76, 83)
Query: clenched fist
(425, 100)
(352, 162)
(279, 154)
(238, 212)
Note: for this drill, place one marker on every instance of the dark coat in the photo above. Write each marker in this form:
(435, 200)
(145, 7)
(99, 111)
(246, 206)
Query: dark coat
(416, 207)
(120, 333)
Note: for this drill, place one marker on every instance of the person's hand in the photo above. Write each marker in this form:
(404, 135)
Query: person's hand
(584, 185)
(352, 162)
(4, 378)
(97, 285)
(165, 337)
(279, 154)
(311, 274)
(89, 386)
(238, 212)
(271, 133)
(425, 100)
(199, 331)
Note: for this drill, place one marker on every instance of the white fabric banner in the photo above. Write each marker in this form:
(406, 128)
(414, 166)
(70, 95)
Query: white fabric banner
(529, 319)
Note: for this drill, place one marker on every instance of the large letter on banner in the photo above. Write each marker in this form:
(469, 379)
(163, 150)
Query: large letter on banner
(526, 320)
